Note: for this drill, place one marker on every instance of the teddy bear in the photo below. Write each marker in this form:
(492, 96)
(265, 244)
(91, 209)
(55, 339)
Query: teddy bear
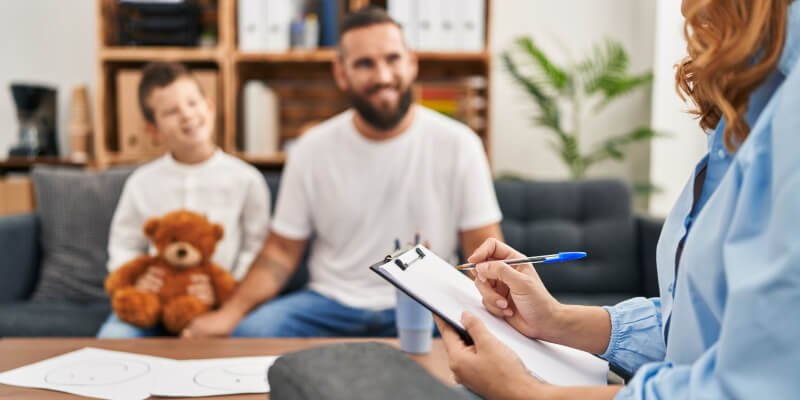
(184, 242)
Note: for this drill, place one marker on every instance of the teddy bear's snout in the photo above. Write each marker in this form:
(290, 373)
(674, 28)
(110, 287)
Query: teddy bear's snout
(181, 252)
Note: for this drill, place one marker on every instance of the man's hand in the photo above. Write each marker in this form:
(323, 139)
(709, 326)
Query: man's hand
(201, 288)
(151, 281)
(488, 367)
(214, 324)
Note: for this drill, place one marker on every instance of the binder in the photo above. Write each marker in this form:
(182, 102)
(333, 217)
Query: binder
(446, 292)
(405, 13)
(429, 26)
(278, 18)
(252, 25)
(261, 119)
(450, 16)
(471, 25)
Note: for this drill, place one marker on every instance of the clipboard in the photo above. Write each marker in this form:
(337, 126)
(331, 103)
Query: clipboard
(447, 292)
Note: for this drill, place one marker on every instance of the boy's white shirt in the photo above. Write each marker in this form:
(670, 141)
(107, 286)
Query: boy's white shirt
(227, 190)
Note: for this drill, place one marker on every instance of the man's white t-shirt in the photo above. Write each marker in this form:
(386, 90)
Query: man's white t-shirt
(226, 190)
(355, 196)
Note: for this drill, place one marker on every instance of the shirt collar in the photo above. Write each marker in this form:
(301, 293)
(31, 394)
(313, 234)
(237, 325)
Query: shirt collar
(193, 167)
(791, 48)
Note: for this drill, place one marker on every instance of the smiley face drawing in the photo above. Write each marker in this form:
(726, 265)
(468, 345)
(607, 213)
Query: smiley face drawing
(242, 378)
(97, 372)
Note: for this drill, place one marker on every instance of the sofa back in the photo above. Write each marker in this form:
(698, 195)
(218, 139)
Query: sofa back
(538, 218)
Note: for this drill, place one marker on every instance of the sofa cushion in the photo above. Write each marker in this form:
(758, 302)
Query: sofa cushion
(591, 215)
(74, 209)
(52, 318)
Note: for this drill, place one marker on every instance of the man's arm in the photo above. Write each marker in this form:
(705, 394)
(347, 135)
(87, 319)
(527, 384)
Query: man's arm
(473, 238)
(272, 268)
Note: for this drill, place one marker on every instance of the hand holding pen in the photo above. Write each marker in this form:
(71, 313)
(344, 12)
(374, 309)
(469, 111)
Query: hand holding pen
(516, 295)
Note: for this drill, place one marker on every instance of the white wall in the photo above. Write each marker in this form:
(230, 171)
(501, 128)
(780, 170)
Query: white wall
(566, 30)
(672, 159)
(52, 42)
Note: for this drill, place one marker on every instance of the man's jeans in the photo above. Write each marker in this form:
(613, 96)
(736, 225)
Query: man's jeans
(306, 313)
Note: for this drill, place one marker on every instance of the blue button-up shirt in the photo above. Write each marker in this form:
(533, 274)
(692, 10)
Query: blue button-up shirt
(727, 325)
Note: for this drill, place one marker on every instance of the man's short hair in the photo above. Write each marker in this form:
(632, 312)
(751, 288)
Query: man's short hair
(158, 75)
(364, 17)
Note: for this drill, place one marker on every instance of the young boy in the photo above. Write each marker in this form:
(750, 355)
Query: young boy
(195, 175)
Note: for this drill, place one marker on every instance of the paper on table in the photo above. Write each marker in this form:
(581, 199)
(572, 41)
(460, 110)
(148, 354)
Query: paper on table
(444, 288)
(213, 377)
(107, 374)
(90, 372)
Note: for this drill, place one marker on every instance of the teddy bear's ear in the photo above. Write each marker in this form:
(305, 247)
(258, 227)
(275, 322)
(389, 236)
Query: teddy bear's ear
(219, 231)
(150, 227)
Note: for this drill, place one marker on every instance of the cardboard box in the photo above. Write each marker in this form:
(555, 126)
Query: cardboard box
(133, 139)
(16, 195)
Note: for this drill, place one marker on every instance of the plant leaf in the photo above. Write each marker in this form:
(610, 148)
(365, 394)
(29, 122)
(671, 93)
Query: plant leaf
(556, 76)
(549, 116)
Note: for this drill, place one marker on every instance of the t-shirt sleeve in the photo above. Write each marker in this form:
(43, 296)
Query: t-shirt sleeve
(476, 188)
(293, 210)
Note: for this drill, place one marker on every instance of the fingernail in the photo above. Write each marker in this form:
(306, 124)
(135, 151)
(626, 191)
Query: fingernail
(502, 303)
(508, 312)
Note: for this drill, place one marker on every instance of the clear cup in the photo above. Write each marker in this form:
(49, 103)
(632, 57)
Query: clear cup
(414, 325)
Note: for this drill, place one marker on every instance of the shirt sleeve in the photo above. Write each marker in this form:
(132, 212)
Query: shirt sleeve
(293, 210)
(636, 336)
(254, 222)
(476, 189)
(126, 239)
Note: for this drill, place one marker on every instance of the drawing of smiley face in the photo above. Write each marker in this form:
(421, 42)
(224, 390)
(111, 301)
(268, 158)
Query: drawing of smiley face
(97, 372)
(243, 378)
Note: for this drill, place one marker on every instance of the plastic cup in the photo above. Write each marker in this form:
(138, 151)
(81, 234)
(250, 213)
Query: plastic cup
(414, 325)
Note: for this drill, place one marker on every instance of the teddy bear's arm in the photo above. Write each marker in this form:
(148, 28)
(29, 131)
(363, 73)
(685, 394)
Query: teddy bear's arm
(223, 283)
(127, 274)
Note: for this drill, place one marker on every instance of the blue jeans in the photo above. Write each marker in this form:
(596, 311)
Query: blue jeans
(306, 313)
(115, 328)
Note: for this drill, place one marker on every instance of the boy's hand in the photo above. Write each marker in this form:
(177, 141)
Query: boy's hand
(201, 288)
(151, 281)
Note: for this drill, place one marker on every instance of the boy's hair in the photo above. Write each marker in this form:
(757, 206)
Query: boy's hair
(158, 75)
(364, 17)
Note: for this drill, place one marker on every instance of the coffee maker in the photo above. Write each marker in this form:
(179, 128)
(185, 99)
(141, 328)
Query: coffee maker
(36, 112)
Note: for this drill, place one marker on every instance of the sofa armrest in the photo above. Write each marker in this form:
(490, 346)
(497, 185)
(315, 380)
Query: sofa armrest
(19, 263)
(648, 230)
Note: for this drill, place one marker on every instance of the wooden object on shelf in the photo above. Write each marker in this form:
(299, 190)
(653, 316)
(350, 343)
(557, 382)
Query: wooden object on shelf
(235, 68)
(80, 124)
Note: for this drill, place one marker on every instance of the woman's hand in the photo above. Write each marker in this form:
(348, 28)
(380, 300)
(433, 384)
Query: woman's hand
(514, 294)
(488, 367)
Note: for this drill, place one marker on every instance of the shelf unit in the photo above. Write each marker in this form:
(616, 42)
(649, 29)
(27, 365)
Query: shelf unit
(292, 70)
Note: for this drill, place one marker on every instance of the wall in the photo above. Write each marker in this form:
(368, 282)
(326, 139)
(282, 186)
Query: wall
(566, 30)
(672, 159)
(51, 42)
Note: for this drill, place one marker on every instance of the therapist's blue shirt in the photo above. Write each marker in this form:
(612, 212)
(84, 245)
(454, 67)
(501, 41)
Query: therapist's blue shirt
(728, 325)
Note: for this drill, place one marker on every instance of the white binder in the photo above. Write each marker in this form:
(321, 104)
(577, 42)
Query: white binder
(449, 33)
(471, 25)
(261, 119)
(252, 25)
(405, 13)
(278, 19)
(429, 25)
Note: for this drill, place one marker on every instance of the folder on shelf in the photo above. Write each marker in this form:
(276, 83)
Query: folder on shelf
(278, 18)
(449, 39)
(471, 24)
(447, 292)
(260, 114)
(429, 26)
(405, 13)
(252, 25)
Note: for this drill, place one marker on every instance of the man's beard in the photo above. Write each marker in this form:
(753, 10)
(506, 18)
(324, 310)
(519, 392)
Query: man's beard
(381, 120)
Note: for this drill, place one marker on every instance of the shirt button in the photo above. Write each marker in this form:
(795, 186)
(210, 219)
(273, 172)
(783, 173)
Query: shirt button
(721, 154)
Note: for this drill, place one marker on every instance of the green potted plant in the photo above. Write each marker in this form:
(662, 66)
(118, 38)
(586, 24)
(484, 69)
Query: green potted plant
(599, 79)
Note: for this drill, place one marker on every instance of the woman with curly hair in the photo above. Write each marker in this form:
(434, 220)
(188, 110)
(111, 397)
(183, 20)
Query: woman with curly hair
(726, 324)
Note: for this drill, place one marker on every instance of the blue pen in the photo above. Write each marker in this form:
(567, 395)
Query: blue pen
(545, 259)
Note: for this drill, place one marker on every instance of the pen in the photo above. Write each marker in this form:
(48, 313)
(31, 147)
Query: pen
(545, 259)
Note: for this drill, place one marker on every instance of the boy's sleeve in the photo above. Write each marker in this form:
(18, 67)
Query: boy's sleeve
(254, 222)
(126, 239)
(293, 209)
(476, 188)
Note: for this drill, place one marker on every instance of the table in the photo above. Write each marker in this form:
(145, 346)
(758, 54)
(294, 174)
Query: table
(16, 352)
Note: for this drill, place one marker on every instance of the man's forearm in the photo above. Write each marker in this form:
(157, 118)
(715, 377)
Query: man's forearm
(263, 281)
(582, 327)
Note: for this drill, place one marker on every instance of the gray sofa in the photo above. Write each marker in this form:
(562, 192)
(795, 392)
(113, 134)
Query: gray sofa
(53, 261)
